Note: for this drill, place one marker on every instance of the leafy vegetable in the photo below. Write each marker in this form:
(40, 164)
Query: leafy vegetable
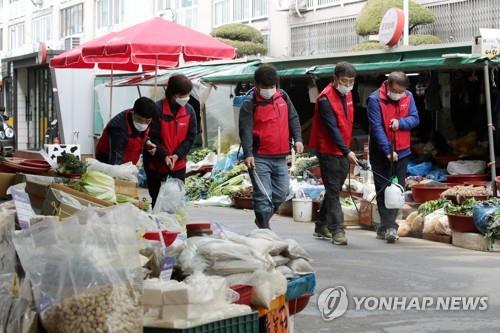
(464, 209)
(199, 154)
(99, 185)
(303, 164)
(69, 163)
(228, 187)
(197, 187)
(431, 206)
(141, 204)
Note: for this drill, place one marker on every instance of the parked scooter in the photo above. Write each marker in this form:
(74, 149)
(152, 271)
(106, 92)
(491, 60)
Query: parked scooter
(7, 135)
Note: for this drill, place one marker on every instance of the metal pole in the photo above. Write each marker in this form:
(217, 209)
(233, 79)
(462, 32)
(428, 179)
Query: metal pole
(406, 9)
(490, 127)
(111, 95)
(156, 76)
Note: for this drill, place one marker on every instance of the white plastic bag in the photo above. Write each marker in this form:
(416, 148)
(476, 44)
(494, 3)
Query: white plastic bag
(466, 167)
(267, 286)
(279, 245)
(301, 266)
(126, 171)
(295, 251)
(430, 221)
(171, 197)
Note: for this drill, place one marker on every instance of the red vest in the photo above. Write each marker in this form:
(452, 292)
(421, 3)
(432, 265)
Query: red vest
(320, 139)
(395, 110)
(173, 132)
(135, 143)
(270, 125)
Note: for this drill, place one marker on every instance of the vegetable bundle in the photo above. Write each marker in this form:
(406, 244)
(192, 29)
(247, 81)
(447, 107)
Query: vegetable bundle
(199, 154)
(70, 164)
(464, 209)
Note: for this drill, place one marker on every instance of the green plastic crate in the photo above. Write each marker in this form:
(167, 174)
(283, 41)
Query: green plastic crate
(242, 324)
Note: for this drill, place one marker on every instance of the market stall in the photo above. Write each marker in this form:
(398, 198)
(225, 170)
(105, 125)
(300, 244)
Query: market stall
(86, 254)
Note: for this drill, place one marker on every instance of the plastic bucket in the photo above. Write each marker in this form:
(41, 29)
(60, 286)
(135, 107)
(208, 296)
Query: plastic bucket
(302, 210)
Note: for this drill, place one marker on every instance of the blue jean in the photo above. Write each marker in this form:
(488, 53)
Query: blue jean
(273, 173)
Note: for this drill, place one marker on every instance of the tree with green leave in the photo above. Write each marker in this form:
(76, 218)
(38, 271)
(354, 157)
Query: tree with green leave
(246, 39)
(370, 16)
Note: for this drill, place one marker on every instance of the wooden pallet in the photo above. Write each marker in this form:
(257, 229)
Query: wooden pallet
(473, 241)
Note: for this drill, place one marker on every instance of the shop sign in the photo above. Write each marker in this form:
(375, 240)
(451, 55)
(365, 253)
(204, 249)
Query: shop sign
(490, 43)
(391, 27)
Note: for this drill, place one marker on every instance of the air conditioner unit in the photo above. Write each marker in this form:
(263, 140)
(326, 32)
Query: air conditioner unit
(298, 5)
(71, 42)
(284, 5)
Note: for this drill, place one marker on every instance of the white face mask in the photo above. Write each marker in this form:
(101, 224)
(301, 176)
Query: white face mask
(267, 93)
(182, 101)
(343, 90)
(140, 127)
(394, 96)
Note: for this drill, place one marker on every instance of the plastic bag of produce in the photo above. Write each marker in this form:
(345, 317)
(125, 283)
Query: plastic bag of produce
(279, 245)
(466, 167)
(300, 266)
(90, 278)
(295, 251)
(126, 171)
(487, 218)
(7, 249)
(431, 221)
(171, 197)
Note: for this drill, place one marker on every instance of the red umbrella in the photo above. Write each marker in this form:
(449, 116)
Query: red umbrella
(157, 43)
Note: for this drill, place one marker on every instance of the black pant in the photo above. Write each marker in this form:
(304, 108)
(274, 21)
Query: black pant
(334, 171)
(155, 179)
(381, 166)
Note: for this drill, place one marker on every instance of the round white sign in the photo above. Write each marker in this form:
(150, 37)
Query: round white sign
(391, 26)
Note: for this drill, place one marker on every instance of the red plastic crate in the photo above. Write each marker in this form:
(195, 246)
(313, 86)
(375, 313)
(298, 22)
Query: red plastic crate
(245, 292)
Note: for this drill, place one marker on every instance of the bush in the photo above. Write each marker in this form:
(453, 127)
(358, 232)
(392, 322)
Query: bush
(424, 39)
(245, 48)
(366, 46)
(238, 32)
(368, 20)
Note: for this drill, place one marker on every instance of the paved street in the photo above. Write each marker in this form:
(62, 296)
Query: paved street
(370, 267)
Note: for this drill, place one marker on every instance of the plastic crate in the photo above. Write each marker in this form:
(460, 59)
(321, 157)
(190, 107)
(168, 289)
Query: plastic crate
(243, 324)
(299, 286)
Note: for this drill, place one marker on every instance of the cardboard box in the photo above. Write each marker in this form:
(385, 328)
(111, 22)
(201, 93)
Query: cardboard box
(6, 181)
(62, 204)
(80, 195)
(37, 190)
(127, 188)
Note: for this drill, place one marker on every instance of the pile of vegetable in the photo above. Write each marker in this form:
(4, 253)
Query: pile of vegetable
(431, 206)
(199, 154)
(197, 187)
(243, 193)
(302, 164)
(463, 191)
(226, 188)
(464, 209)
(141, 204)
(70, 164)
(98, 185)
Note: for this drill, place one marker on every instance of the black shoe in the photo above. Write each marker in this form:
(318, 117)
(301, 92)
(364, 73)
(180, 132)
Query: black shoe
(262, 219)
(391, 236)
(381, 235)
(322, 232)
(339, 238)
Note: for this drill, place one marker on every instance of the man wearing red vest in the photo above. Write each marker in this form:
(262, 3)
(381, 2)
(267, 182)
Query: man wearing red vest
(331, 138)
(267, 121)
(173, 133)
(124, 137)
(392, 114)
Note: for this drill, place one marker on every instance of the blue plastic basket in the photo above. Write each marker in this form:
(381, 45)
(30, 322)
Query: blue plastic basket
(299, 286)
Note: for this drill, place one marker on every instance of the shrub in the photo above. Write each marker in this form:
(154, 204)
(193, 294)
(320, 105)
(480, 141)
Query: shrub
(239, 32)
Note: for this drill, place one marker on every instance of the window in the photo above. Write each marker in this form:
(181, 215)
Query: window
(12, 1)
(16, 36)
(187, 13)
(227, 11)
(222, 12)
(42, 29)
(164, 4)
(72, 20)
(109, 12)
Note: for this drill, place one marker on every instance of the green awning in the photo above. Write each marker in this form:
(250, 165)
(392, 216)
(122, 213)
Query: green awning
(411, 64)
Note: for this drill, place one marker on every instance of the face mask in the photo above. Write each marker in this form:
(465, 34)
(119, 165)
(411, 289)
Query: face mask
(267, 93)
(394, 96)
(343, 89)
(182, 101)
(140, 127)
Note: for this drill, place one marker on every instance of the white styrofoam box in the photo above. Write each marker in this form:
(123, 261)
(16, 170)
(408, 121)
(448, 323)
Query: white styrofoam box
(54, 151)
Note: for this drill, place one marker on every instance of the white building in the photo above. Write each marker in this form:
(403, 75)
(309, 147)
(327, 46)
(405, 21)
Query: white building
(289, 27)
